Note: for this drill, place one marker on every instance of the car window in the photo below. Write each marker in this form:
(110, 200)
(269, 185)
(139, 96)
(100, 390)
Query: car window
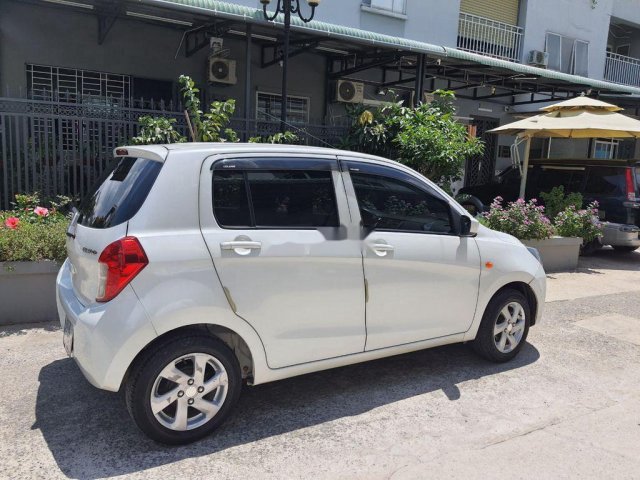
(293, 198)
(230, 200)
(120, 194)
(606, 181)
(274, 199)
(392, 204)
(546, 178)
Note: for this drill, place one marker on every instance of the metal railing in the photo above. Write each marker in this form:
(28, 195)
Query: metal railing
(489, 37)
(621, 69)
(58, 148)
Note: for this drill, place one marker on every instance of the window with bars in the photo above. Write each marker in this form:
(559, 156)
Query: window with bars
(69, 85)
(76, 85)
(269, 106)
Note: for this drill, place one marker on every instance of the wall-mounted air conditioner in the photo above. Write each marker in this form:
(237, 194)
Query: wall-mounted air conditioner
(222, 70)
(538, 58)
(348, 91)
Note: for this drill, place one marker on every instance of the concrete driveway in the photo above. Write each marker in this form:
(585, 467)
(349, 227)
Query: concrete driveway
(568, 407)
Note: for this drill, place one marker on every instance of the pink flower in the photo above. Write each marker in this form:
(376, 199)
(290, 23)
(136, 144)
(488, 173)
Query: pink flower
(12, 223)
(41, 211)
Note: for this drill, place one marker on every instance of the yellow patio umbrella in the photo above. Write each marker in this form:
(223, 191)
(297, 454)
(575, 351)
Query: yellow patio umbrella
(579, 117)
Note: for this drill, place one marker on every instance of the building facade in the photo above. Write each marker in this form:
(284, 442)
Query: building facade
(76, 74)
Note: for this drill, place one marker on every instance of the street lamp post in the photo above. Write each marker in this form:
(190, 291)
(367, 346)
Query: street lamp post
(287, 7)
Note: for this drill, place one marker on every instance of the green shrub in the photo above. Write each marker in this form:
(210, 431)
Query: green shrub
(32, 231)
(556, 201)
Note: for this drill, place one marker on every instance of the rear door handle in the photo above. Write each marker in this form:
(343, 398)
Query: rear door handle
(241, 247)
(382, 249)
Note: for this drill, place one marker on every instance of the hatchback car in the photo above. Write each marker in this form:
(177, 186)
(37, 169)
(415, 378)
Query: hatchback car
(193, 268)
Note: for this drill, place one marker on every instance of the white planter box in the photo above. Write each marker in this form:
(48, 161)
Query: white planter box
(558, 253)
(28, 292)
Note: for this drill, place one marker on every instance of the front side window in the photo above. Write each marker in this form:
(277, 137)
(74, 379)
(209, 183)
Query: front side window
(274, 199)
(392, 204)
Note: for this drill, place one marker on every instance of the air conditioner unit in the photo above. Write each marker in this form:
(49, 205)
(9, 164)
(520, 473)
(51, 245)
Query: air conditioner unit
(349, 92)
(222, 70)
(538, 58)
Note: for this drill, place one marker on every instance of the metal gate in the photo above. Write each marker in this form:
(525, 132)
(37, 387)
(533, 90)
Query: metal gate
(62, 148)
(481, 168)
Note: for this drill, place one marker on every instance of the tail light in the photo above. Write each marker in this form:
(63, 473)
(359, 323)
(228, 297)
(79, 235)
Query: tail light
(631, 185)
(120, 262)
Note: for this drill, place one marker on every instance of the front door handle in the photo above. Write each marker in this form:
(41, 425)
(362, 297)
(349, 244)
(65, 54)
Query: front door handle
(241, 247)
(382, 249)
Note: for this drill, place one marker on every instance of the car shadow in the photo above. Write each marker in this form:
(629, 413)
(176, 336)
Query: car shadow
(91, 435)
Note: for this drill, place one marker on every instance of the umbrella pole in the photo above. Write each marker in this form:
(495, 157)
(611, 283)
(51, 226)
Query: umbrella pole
(525, 167)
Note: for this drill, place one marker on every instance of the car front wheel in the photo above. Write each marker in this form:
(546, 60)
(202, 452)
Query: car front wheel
(184, 389)
(504, 327)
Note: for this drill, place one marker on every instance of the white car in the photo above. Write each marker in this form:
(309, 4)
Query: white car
(195, 267)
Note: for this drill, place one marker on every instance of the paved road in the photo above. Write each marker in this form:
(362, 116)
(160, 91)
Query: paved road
(568, 407)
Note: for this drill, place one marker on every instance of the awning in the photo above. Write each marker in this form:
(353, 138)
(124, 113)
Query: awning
(363, 37)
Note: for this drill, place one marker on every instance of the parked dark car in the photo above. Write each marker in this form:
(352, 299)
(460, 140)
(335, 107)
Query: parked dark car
(613, 183)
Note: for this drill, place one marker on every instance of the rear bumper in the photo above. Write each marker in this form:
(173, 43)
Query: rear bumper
(620, 235)
(106, 336)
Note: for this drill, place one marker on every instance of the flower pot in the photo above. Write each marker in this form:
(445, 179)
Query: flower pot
(558, 253)
(28, 292)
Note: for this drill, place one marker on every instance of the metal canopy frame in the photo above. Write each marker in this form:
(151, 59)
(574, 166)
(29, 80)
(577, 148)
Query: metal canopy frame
(470, 79)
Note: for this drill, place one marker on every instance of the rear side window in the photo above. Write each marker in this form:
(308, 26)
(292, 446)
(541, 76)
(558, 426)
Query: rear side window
(274, 199)
(119, 197)
(606, 181)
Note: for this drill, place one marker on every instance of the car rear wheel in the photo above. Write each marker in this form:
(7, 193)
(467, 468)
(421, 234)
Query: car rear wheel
(184, 389)
(622, 249)
(504, 327)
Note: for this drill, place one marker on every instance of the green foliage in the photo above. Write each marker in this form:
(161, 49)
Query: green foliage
(156, 131)
(32, 231)
(427, 138)
(280, 138)
(213, 125)
(203, 127)
(572, 222)
(556, 201)
(523, 220)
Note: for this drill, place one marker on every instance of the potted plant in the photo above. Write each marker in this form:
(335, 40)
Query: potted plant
(583, 223)
(527, 222)
(32, 248)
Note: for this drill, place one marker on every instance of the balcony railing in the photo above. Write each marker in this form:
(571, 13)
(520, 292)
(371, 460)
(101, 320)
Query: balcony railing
(621, 69)
(488, 37)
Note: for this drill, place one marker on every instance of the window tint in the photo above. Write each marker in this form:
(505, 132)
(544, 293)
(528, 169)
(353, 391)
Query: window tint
(119, 197)
(278, 199)
(606, 181)
(293, 198)
(547, 178)
(230, 201)
(391, 204)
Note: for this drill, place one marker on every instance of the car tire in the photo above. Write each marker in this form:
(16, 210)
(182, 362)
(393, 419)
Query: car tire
(621, 249)
(504, 326)
(204, 387)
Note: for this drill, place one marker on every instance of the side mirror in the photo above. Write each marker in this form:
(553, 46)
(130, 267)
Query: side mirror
(468, 226)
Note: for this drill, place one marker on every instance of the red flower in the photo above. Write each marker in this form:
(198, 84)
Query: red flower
(12, 223)
(41, 211)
